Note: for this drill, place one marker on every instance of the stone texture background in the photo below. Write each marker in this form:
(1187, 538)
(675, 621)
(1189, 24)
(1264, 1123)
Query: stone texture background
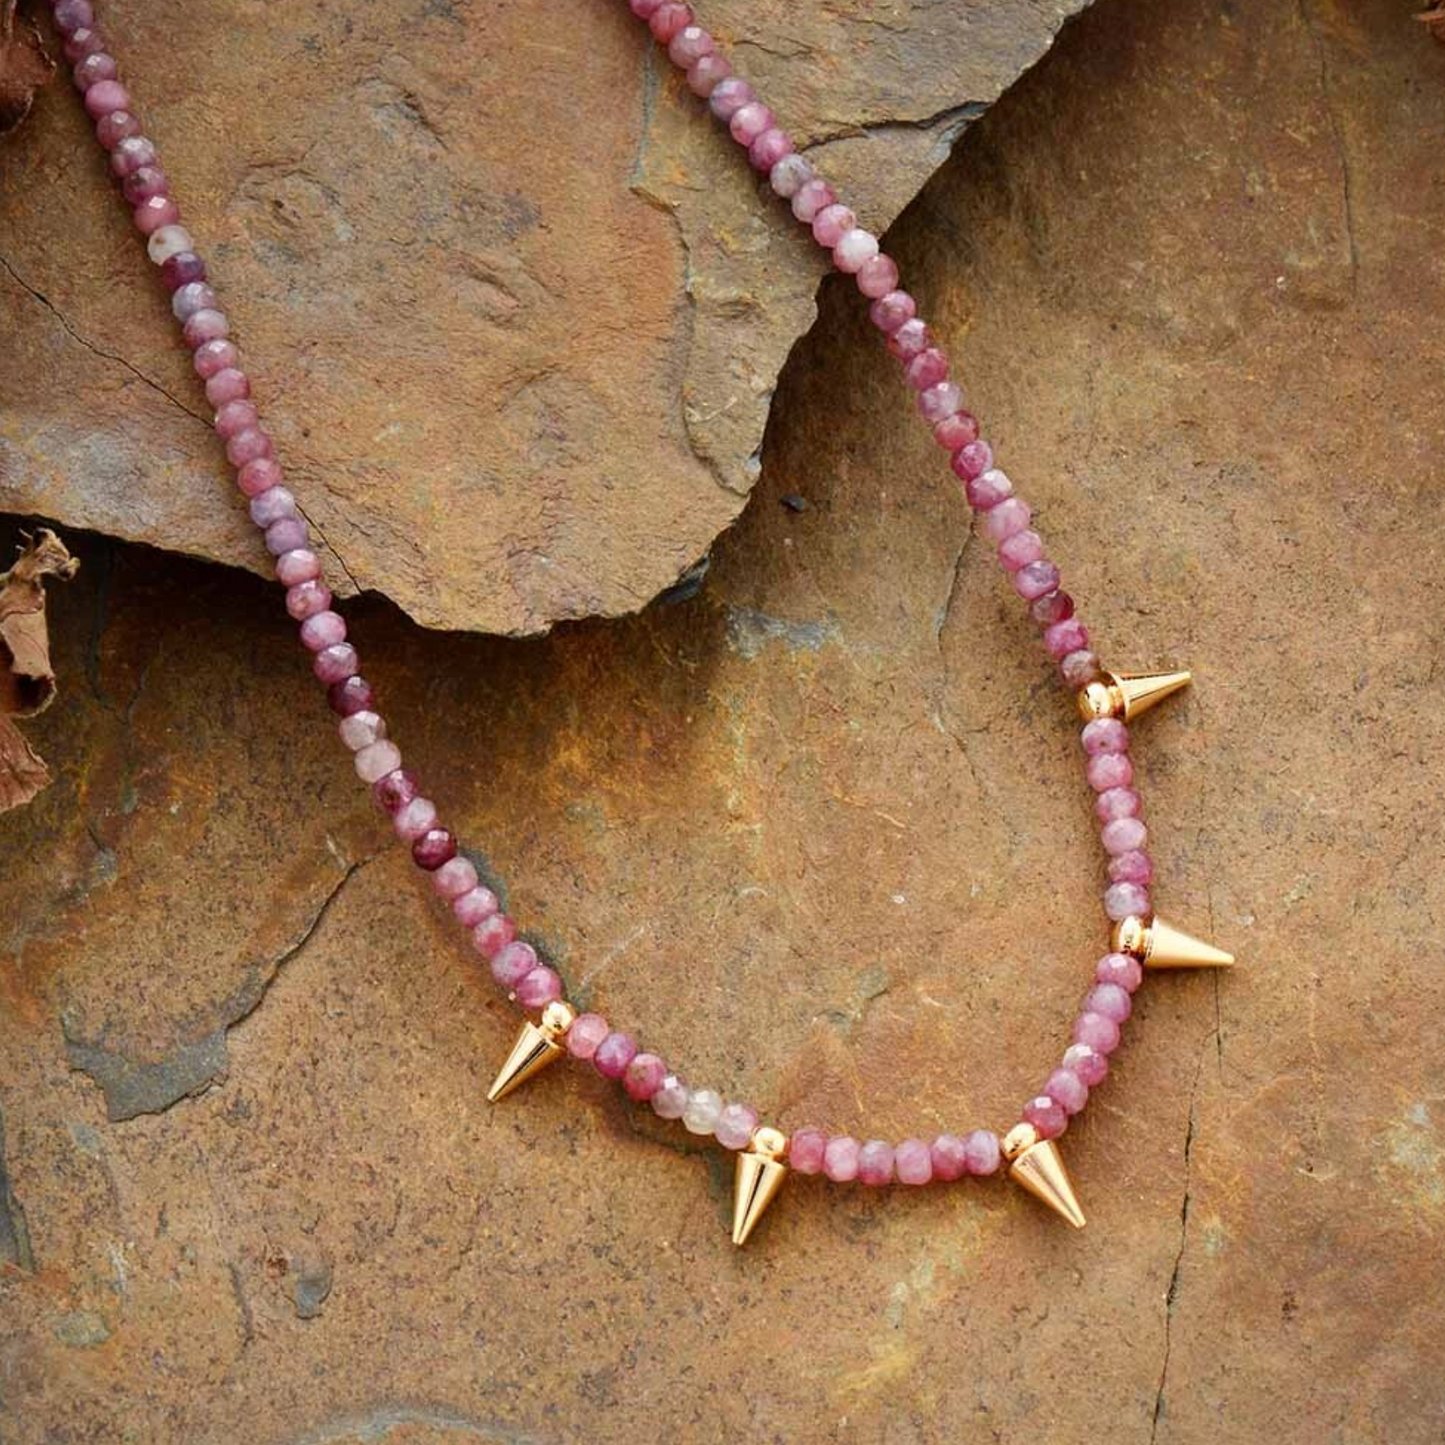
(819, 832)
(519, 313)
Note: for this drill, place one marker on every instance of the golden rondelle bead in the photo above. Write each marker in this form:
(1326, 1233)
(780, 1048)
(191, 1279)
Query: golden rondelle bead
(768, 1142)
(1131, 936)
(557, 1018)
(1098, 700)
(1019, 1138)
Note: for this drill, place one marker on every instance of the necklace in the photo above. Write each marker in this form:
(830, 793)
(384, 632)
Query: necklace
(1108, 702)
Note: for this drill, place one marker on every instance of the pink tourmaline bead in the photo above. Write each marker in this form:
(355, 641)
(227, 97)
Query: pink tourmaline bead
(131, 154)
(1137, 867)
(1126, 900)
(586, 1034)
(1110, 1000)
(769, 148)
(540, 987)
(435, 847)
(955, 432)
(353, 695)
(707, 74)
(613, 1055)
(226, 386)
(475, 906)
(643, 8)
(151, 215)
(1109, 770)
(854, 250)
(493, 933)
(983, 1151)
(512, 963)
(689, 45)
(73, 15)
(205, 326)
(1065, 637)
(180, 269)
(396, 789)
(1009, 516)
(1079, 669)
(1116, 803)
(192, 297)
(670, 1100)
(1089, 1064)
(806, 1149)
(875, 1163)
(926, 369)
(912, 1162)
(144, 185)
(214, 356)
(840, 1158)
(892, 310)
(374, 762)
(974, 461)
(735, 1125)
(789, 175)
(749, 121)
(335, 662)
(1036, 579)
(271, 506)
(1051, 609)
(324, 630)
(454, 878)
(105, 96)
(669, 20)
(730, 96)
(878, 276)
(1105, 735)
(1099, 1033)
(1046, 1116)
(938, 402)
(306, 597)
(910, 339)
(1067, 1090)
(119, 125)
(1123, 835)
(832, 223)
(1020, 549)
(644, 1077)
(413, 819)
(290, 534)
(82, 42)
(249, 446)
(812, 197)
(948, 1155)
(92, 69)
(234, 417)
(297, 567)
(1121, 970)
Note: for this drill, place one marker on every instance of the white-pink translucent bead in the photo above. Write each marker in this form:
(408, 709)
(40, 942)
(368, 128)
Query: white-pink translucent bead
(376, 760)
(362, 729)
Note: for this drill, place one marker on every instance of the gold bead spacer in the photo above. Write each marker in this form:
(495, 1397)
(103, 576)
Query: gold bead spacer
(1131, 936)
(557, 1018)
(1020, 1138)
(1099, 700)
(769, 1143)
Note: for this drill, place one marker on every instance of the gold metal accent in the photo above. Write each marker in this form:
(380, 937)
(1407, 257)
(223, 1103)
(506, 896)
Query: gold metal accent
(1040, 1170)
(537, 1046)
(1127, 694)
(760, 1174)
(1157, 944)
(1019, 1138)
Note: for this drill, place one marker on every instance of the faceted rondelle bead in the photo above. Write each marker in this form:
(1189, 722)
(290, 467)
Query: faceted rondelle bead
(878, 276)
(540, 987)
(73, 15)
(94, 67)
(854, 249)
(1079, 669)
(324, 630)
(957, 431)
(1099, 1033)
(789, 175)
(376, 760)
(689, 45)
(214, 356)
(132, 154)
(226, 386)
(840, 1158)
(435, 847)
(586, 1035)
(940, 401)
(204, 326)
(1009, 516)
(704, 1107)
(180, 269)
(361, 729)
(396, 790)
(119, 125)
(1088, 1063)
(1123, 835)
(875, 1163)
(909, 339)
(926, 369)
(735, 1125)
(513, 962)
(810, 198)
(152, 214)
(1020, 549)
(455, 877)
(671, 1098)
(749, 121)
(949, 1157)
(1036, 579)
(806, 1149)
(1104, 735)
(144, 185)
(413, 819)
(475, 906)
(1047, 1116)
(1109, 1000)
(493, 934)
(106, 96)
(1122, 969)
(1135, 867)
(1067, 1090)
(983, 1151)
(1109, 770)
(912, 1162)
(334, 664)
(192, 297)
(1114, 803)
(352, 695)
(235, 417)
(169, 242)
(832, 223)
(307, 597)
(706, 74)
(1065, 637)
(1051, 609)
(892, 310)
(614, 1054)
(82, 42)
(729, 96)
(290, 534)
(644, 1077)
(271, 505)
(769, 148)
(1126, 900)
(668, 20)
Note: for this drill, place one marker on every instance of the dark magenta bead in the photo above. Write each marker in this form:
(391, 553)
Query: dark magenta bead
(435, 847)
(144, 183)
(396, 789)
(351, 694)
(181, 269)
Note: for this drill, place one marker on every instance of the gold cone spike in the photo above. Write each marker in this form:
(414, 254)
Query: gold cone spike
(537, 1046)
(1127, 694)
(1158, 944)
(760, 1174)
(1040, 1170)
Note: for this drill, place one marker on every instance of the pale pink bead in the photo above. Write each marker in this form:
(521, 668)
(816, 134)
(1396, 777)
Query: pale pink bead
(336, 663)
(229, 385)
(749, 121)
(975, 460)
(707, 74)
(297, 567)
(670, 1100)
(205, 326)
(250, 445)
(832, 223)
(1108, 770)
(1079, 669)
(132, 154)
(82, 42)
(1120, 969)
(1123, 835)
(1089, 1064)
(892, 310)
(105, 96)
(413, 819)
(115, 127)
(689, 45)
(1065, 637)
(73, 15)
(192, 297)
(729, 96)
(1126, 900)
(769, 148)
(288, 535)
(811, 198)
(1105, 735)
(92, 69)
(1020, 549)
(940, 400)
(1067, 1090)
(669, 20)
(789, 175)
(644, 1077)
(806, 1149)
(326, 629)
(1011, 515)
(235, 416)
(475, 906)
(643, 8)
(956, 431)
(878, 276)
(735, 1125)
(948, 1155)
(1051, 609)
(540, 987)
(511, 964)
(926, 369)
(983, 1152)
(614, 1054)
(1099, 1033)
(154, 213)
(910, 339)
(1046, 1116)
(214, 356)
(875, 1163)
(455, 877)
(986, 489)
(1137, 867)
(854, 249)
(912, 1162)
(307, 596)
(271, 506)
(168, 242)
(1116, 803)
(362, 729)
(586, 1034)
(840, 1158)
(1036, 579)
(493, 933)
(377, 760)
(1110, 1000)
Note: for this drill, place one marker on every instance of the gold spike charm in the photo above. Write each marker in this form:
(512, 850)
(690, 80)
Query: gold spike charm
(1127, 694)
(1036, 1164)
(1157, 944)
(760, 1174)
(537, 1046)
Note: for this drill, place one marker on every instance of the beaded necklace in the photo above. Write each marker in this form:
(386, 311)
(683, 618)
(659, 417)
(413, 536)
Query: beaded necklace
(1140, 939)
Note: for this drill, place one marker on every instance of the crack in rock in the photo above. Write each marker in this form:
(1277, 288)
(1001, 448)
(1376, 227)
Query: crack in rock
(14, 1233)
